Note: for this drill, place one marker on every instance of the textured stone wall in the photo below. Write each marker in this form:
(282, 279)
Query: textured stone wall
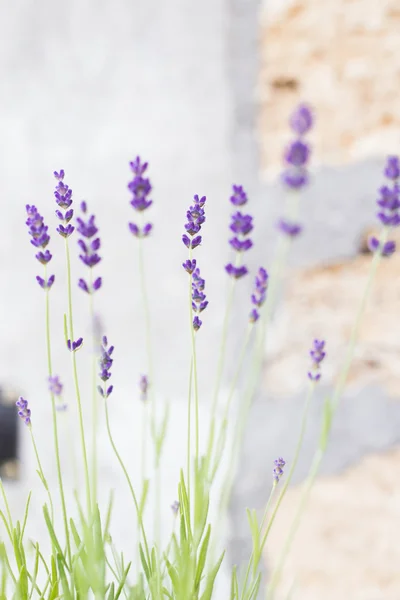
(342, 56)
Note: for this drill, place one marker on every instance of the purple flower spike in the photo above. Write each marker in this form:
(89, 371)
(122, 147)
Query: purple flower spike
(140, 187)
(55, 385)
(301, 119)
(87, 229)
(389, 197)
(241, 225)
(143, 387)
(24, 411)
(278, 469)
(259, 295)
(199, 301)
(289, 228)
(105, 363)
(72, 347)
(37, 228)
(62, 193)
(297, 153)
(236, 272)
(195, 219)
(239, 196)
(317, 355)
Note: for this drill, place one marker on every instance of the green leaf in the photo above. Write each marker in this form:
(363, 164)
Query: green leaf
(234, 585)
(143, 498)
(122, 582)
(64, 582)
(111, 595)
(211, 579)
(53, 537)
(145, 566)
(202, 559)
(173, 575)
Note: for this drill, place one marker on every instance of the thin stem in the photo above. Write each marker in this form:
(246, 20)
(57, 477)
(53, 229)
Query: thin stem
(222, 434)
(146, 309)
(194, 365)
(76, 382)
(94, 395)
(296, 522)
(294, 462)
(41, 474)
(189, 428)
(356, 326)
(128, 481)
(55, 427)
(221, 357)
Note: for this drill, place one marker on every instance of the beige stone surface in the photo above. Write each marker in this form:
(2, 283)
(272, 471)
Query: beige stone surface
(341, 56)
(347, 547)
(322, 302)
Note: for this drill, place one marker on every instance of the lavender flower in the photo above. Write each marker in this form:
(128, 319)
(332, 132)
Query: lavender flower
(236, 272)
(40, 239)
(317, 355)
(24, 412)
(143, 387)
(289, 228)
(55, 385)
(87, 228)
(140, 187)
(175, 507)
(278, 469)
(296, 157)
(239, 196)
(260, 293)
(389, 205)
(63, 196)
(56, 388)
(241, 225)
(105, 365)
(199, 301)
(73, 346)
(195, 219)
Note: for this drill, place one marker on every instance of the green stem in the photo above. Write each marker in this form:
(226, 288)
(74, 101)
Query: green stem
(128, 481)
(294, 462)
(296, 522)
(221, 357)
(76, 382)
(41, 473)
(189, 428)
(55, 428)
(194, 364)
(222, 434)
(94, 396)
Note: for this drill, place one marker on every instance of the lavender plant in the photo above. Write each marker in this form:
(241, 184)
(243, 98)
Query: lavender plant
(82, 561)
